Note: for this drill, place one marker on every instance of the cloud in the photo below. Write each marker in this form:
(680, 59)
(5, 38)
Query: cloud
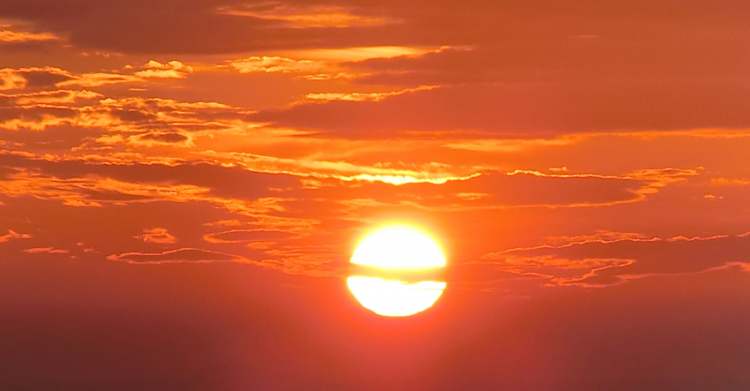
(98, 79)
(104, 187)
(304, 16)
(526, 110)
(614, 259)
(721, 181)
(496, 190)
(45, 250)
(182, 255)
(272, 64)
(151, 70)
(58, 97)
(7, 35)
(11, 80)
(24, 38)
(157, 235)
(313, 169)
(52, 139)
(32, 77)
(360, 96)
(164, 137)
(13, 235)
(171, 70)
(602, 236)
(39, 117)
(244, 236)
(211, 27)
(560, 58)
(40, 110)
(79, 182)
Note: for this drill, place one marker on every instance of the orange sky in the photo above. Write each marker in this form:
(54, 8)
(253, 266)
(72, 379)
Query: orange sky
(182, 184)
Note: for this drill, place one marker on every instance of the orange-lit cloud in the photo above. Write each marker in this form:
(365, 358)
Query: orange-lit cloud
(20, 78)
(175, 256)
(299, 16)
(45, 250)
(9, 80)
(600, 263)
(268, 64)
(170, 70)
(520, 110)
(157, 235)
(14, 36)
(7, 35)
(244, 236)
(98, 79)
(12, 235)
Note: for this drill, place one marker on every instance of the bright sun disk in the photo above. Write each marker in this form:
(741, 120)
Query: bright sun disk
(398, 247)
(400, 250)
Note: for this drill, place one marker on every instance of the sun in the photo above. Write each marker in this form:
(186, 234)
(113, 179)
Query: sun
(389, 260)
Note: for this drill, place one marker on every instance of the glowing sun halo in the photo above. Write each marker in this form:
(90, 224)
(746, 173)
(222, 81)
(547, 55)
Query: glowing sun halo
(392, 256)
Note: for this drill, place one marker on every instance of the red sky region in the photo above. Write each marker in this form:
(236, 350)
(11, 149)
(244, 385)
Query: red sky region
(182, 183)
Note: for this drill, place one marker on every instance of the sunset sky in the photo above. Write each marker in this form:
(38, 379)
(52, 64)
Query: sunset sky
(183, 183)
